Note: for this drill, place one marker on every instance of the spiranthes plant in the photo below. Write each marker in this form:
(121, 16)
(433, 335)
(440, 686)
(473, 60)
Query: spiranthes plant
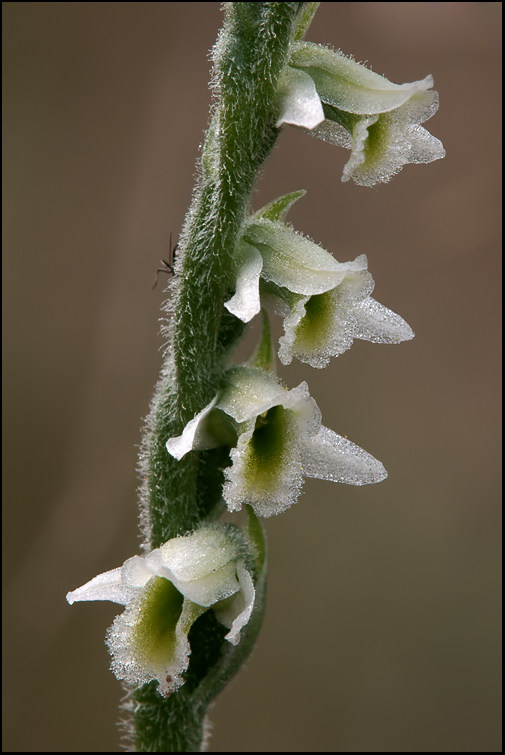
(229, 437)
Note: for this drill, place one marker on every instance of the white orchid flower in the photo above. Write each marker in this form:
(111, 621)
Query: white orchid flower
(326, 304)
(319, 327)
(276, 253)
(280, 440)
(377, 120)
(164, 593)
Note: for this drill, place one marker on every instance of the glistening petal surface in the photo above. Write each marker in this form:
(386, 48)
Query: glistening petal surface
(328, 456)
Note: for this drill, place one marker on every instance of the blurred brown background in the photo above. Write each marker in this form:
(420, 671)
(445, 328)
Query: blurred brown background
(382, 631)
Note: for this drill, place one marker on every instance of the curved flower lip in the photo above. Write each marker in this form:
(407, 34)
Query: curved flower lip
(267, 471)
(398, 140)
(204, 570)
(317, 329)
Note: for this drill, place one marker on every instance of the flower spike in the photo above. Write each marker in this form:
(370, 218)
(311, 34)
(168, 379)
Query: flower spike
(249, 440)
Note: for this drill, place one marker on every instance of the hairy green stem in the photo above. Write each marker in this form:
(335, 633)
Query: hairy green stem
(177, 496)
(251, 50)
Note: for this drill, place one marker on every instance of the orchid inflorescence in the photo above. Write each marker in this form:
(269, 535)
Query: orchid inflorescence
(272, 437)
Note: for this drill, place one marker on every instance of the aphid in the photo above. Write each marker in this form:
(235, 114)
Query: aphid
(168, 267)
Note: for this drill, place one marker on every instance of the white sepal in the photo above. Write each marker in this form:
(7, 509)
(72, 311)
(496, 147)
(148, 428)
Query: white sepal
(299, 101)
(378, 324)
(245, 303)
(116, 585)
(328, 456)
(194, 435)
(235, 612)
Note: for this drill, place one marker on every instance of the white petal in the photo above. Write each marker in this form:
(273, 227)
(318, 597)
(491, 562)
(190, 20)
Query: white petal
(378, 324)
(193, 436)
(299, 101)
(193, 556)
(106, 586)
(269, 489)
(236, 612)
(250, 392)
(328, 456)
(292, 261)
(300, 402)
(210, 588)
(135, 572)
(424, 147)
(246, 301)
(200, 565)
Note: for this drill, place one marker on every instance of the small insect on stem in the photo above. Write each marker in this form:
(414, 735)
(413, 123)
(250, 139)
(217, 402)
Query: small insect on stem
(168, 267)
